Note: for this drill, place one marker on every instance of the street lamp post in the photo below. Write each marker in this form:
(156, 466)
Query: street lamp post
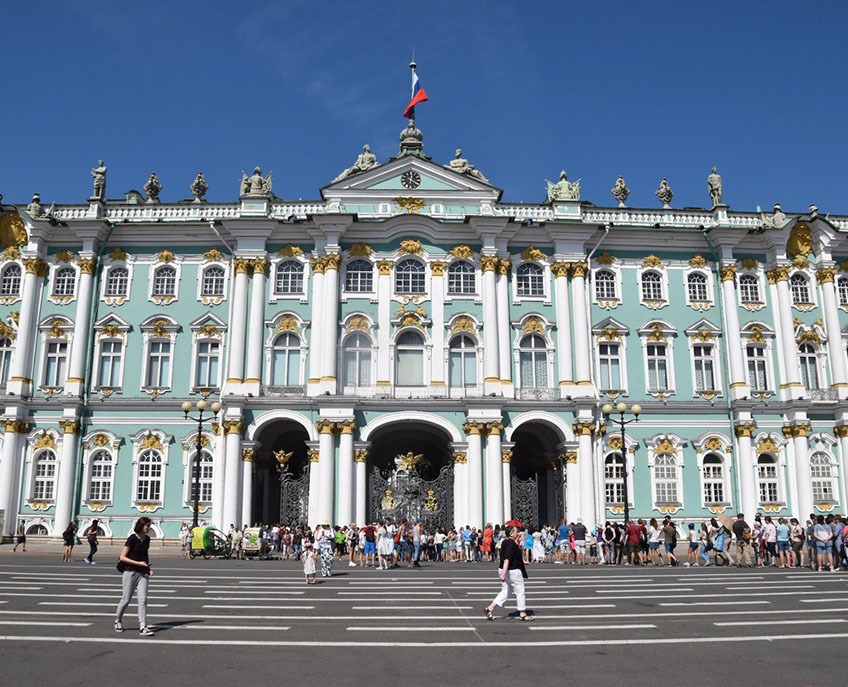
(621, 409)
(201, 407)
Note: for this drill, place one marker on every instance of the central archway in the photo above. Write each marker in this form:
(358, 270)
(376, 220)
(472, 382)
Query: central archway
(536, 461)
(287, 439)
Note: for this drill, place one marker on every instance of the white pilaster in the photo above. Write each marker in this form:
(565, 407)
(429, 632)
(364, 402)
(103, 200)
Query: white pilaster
(460, 488)
(66, 474)
(563, 325)
(246, 486)
(256, 335)
(346, 484)
(317, 266)
(491, 359)
(437, 316)
(312, 506)
(791, 387)
(20, 382)
(506, 471)
(238, 325)
(504, 332)
(384, 322)
(738, 382)
(841, 431)
(82, 326)
(746, 467)
(9, 471)
(835, 347)
(474, 474)
(581, 334)
(330, 327)
(799, 431)
(586, 471)
(219, 466)
(572, 487)
(494, 474)
(326, 474)
(360, 475)
(232, 471)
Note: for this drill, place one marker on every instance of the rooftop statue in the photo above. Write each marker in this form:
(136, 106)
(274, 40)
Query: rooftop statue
(461, 166)
(563, 189)
(99, 175)
(714, 187)
(152, 188)
(776, 221)
(37, 211)
(620, 192)
(256, 184)
(411, 140)
(365, 161)
(664, 194)
(199, 187)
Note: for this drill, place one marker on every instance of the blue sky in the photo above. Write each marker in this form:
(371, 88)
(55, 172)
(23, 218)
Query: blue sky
(647, 90)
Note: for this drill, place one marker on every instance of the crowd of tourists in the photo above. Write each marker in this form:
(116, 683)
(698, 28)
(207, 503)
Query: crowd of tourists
(820, 543)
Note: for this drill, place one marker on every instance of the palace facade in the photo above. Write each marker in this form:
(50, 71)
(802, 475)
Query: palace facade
(409, 344)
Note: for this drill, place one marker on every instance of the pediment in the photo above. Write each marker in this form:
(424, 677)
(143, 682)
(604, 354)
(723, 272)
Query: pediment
(700, 326)
(612, 324)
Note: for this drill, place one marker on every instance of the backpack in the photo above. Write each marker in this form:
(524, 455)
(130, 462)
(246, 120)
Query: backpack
(746, 534)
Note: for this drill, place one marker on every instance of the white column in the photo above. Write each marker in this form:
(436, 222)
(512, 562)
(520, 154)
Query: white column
(799, 431)
(246, 486)
(572, 487)
(586, 470)
(232, 471)
(312, 506)
(841, 432)
(384, 322)
(504, 332)
(346, 485)
(316, 299)
(256, 335)
(66, 473)
(563, 324)
(238, 325)
(491, 359)
(506, 471)
(791, 387)
(219, 466)
(738, 381)
(360, 475)
(460, 488)
(437, 316)
(494, 474)
(835, 348)
(9, 471)
(746, 467)
(82, 326)
(330, 327)
(326, 473)
(581, 328)
(20, 382)
(474, 473)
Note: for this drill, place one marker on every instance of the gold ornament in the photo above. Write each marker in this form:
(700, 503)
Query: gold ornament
(12, 230)
(697, 261)
(410, 247)
(165, 255)
(118, 255)
(532, 253)
(213, 254)
(359, 250)
(462, 252)
(410, 204)
(290, 251)
(652, 261)
(800, 240)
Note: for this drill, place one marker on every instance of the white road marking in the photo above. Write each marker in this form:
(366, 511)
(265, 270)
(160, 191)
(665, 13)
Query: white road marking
(821, 601)
(739, 602)
(389, 628)
(647, 589)
(43, 623)
(236, 628)
(410, 608)
(110, 604)
(592, 627)
(395, 593)
(782, 622)
(535, 606)
(265, 607)
(33, 589)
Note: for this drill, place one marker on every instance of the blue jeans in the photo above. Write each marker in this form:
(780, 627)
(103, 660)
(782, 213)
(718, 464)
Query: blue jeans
(416, 552)
(92, 549)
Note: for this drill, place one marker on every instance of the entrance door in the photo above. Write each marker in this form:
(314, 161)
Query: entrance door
(404, 493)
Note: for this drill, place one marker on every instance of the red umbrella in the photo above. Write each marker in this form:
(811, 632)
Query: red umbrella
(512, 523)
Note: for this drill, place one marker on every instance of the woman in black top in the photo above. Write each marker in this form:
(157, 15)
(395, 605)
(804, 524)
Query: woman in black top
(69, 536)
(134, 564)
(512, 575)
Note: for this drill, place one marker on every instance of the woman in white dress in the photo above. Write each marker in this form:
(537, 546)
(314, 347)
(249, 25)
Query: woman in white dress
(385, 546)
(538, 547)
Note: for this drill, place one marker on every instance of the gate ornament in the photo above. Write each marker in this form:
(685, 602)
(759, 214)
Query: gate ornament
(430, 502)
(406, 462)
(404, 493)
(283, 457)
(388, 502)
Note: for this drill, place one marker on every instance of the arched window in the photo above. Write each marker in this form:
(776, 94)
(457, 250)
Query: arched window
(696, 284)
(150, 476)
(799, 286)
(288, 278)
(37, 530)
(213, 281)
(604, 285)
(842, 290)
(809, 366)
(10, 282)
(614, 479)
(749, 289)
(461, 278)
(100, 477)
(6, 347)
(165, 281)
(462, 362)
(409, 360)
(652, 286)
(205, 481)
(713, 473)
(356, 361)
(533, 357)
(44, 476)
(665, 478)
(285, 360)
(529, 280)
(767, 479)
(409, 276)
(359, 277)
(64, 281)
(822, 478)
(117, 281)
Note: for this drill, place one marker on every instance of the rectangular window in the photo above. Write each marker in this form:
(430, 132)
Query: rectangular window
(610, 365)
(657, 368)
(704, 368)
(159, 364)
(111, 357)
(757, 378)
(822, 490)
(713, 484)
(45, 473)
(208, 362)
(410, 368)
(101, 482)
(767, 475)
(55, 368)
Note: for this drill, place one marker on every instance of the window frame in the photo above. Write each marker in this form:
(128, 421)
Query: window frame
(273, 347)
(370, 273)
(707, 480)
(707, 285)
(361, 354)
(204, 295)
(527, 291)
(412, 288)
(544, 349)
(472, 351)
(801, 286)
(9, 295)
(48, 482)
(64, 291)
(762, 481)
(464, 271)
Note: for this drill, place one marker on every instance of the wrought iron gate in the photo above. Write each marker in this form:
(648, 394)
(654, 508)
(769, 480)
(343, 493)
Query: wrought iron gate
(559, 490)
(405, 494)
(525, 499)
(294, 496)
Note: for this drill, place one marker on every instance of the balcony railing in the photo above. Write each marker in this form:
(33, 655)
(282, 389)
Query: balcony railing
(412, 392)
(278, 391)
(822, 394)
(540, 394)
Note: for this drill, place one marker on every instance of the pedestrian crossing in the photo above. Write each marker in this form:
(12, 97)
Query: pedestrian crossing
(232, 602)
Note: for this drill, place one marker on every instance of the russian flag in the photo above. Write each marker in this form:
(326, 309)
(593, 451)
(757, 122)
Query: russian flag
(419, 95)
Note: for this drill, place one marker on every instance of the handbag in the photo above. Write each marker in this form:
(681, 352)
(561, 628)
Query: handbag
(121, 566)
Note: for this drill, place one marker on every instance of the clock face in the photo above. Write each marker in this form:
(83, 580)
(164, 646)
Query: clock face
(410, 179)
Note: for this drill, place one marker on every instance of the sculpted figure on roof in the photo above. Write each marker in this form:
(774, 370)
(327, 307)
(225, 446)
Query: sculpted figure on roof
(777, 220)
(714, 187)
(99, 175)
(256, 184)
(366, 160)
(461, 166)
(563, 189)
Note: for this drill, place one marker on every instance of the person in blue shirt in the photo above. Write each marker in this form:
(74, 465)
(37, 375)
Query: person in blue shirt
(783, 550)
(466, 544)
(562, 543)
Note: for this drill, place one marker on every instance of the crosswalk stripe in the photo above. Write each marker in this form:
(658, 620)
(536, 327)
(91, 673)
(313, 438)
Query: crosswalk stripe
(815, 621)
(592, 627)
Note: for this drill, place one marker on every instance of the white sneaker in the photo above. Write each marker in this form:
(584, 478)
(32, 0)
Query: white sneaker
(686, 565)
(351, 565)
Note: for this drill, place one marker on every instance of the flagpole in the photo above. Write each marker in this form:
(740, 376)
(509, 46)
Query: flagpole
(412, 66)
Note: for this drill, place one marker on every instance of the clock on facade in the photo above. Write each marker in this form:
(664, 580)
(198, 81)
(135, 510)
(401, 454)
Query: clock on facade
(410, 179)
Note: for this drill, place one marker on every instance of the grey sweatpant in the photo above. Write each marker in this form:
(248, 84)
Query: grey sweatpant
(131, 582)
